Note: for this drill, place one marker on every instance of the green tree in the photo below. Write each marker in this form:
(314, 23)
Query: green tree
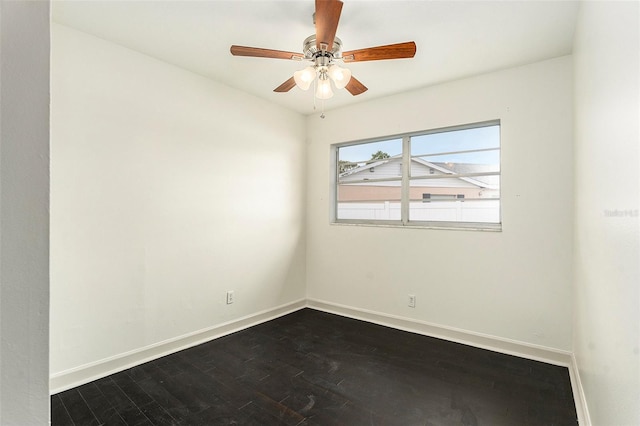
(344, 165)
(379, 155)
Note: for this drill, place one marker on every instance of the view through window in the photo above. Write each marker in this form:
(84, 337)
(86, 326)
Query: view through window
(447, 177)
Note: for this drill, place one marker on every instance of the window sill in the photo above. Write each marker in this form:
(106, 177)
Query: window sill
(449, 227)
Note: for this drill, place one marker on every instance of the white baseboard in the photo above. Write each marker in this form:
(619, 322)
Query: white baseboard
(484, 341)
(89, 372)
(493, 343)
(578, 393)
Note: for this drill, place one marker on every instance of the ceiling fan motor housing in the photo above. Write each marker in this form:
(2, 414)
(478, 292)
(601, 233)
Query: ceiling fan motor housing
(311, 51)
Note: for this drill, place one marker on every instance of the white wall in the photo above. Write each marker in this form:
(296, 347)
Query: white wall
(154, 171)
(514, 284)
(24, 215)
(607, 232)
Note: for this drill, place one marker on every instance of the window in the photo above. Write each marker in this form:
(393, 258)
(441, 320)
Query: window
(440, 178)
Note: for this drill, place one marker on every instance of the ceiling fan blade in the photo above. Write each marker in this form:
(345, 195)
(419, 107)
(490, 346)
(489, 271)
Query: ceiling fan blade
(327, 17)
(258, 52)
(286, 86)
(390, 51)
(355, 87)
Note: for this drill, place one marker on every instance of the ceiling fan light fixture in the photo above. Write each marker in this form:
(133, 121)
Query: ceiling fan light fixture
(304, 78)
(339, 75)
(323, 91)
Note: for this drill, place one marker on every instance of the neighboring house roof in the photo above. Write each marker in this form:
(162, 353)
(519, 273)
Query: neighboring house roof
(489, 182)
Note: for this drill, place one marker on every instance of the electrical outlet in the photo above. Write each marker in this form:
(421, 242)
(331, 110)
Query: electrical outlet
(229, 297)
(412, 301)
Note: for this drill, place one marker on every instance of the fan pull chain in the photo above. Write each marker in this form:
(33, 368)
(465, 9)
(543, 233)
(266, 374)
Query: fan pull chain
(315, 86)
(314, 93)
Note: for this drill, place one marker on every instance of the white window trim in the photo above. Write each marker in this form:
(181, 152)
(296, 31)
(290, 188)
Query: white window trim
(404, 222)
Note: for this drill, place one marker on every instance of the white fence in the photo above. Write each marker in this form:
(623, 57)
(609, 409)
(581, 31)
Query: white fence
(486, 211)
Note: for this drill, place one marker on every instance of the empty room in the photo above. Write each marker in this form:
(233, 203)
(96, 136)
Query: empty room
(323, 213)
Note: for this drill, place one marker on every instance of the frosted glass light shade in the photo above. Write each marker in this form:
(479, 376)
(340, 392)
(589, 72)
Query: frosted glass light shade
(303, 78)
(323, 91)
(340, 76)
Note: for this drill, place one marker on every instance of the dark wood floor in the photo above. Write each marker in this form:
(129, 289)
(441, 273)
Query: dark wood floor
(314, 368)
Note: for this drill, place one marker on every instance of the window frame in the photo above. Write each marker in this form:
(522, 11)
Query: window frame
(405, 180)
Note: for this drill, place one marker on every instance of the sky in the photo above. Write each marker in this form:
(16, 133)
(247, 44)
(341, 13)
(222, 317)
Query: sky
(457, 140)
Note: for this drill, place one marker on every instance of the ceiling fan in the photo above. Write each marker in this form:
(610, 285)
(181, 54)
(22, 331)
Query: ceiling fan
(324, 49)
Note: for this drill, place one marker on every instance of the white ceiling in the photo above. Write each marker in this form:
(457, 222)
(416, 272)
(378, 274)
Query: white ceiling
(454, 39)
